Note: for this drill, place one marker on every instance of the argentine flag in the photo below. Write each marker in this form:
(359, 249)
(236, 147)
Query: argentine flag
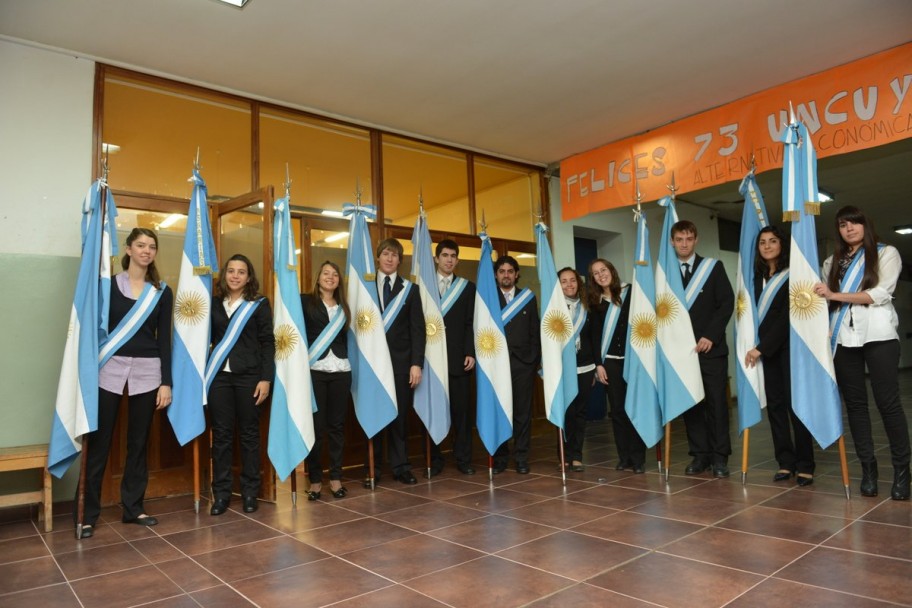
(373, 390)
(751, 394)
(432, 395)
(678, 365)
(493, 383)
(815, 397)
(642, 402)
(192, 316)
(557, 343)
(291, 429)
(76, 409)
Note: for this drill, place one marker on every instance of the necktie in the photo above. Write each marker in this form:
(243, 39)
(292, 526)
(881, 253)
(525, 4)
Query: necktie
(687, 273)
(387, 292)
(444, 285)
(508, 296)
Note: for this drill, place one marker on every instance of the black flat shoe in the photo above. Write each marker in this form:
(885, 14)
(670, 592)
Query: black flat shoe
(720, 471)
(577, 468)
(639, 469)
(621, 466)
(696, 467)
(782, 475)
(312, 496)
(218, 507)
(142, 520)
(87, 532)
(522, 468)
(340, 493)
(250, 504)
(499, 468)
(805, 481)
(406, 477)
(465, 469)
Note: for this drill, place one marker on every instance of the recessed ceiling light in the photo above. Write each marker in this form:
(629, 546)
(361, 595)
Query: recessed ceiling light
(824, 197)
(336, 237)
(237, 3)
(907, 229)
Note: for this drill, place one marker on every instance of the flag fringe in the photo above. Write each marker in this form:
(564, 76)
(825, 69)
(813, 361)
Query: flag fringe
(812, 208)
(199, 271)
(641, 263)
(791, 216)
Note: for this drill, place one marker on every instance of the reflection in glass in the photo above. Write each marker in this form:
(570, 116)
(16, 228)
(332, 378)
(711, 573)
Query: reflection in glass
(242, 232)
(170, 229)
(510, 196)
(528, 273)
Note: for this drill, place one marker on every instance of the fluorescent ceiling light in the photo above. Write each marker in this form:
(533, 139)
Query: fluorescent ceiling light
(171, 220)
(335, 237)
(237, 3)
(824, 197)
(110, 148)
(907, 229)
(332, 213)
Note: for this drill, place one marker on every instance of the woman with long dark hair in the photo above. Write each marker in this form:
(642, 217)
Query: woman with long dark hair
(860, 278)
(135, 357)
(243, 354)
(610, 301)
(771, 293)
(327, 316)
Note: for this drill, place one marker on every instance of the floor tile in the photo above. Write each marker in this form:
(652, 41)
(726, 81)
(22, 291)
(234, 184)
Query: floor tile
(100, 560)
(493, 533)
(258, 558)
(305, 516)
(28, 574)
(584, 595)
(395, 596)
(874, 538)
(431, 516)
(896, 512)
(613, 496)
(448, 488)
(156, 549)
(496, 500)
(187, 574)
(213, 538)
(575, 556)
(18, 529)
(425, 555)
(350, 536)
(639, 530)
(790, 525)
(125, 588)
(54, 596)
(776, 592)
(690, 509)
(559, 513)
(817, 503)
(27, 547)
(750, 552)
(221, 596)
(382, 501)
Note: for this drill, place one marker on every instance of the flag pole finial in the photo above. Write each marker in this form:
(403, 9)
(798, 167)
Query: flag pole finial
(421, 201)
(287, 183)
(196, 161)
(791, 113)
(753, 161)
(637, 196)
(104, 164)
(483, 223)
(673, 188)
(539, 214)
(358, 191)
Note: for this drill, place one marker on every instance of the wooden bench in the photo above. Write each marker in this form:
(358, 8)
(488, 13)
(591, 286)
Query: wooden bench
(21, 459)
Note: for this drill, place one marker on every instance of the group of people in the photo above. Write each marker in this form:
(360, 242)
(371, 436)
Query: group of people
(139, 362)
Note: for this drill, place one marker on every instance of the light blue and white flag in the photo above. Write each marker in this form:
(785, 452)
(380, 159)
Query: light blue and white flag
(558, 342)
(678, 365)
(751, 394)
(373, 390)
(192, 316)
(815, 397)
(642, 402)
(432, 395)
(493, 379)
(291, 428)
(76, 409)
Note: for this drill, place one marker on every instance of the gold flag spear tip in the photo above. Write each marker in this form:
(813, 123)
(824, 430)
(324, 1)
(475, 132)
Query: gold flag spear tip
(673, 187)
(484, 224)
(358, 190)
(196, 161)
(287, 183)
(421, 200)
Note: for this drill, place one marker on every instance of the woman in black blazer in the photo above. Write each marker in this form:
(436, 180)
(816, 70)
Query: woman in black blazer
(331, 377)
(796, 456)
(243, 381)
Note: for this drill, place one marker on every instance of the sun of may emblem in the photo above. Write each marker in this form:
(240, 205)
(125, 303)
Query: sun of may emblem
(741, 304)
(365, 320)
(190, 308)
(557, 325)
(803, 302)
(666, 308)
(286, 339)
(487, 342)
(643, 330)
(433, 328)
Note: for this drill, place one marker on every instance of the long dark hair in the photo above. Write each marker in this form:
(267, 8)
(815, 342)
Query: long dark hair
(251, 289)
(579, 285)
(871, 276)
(594, 289)
(761, 267)
(152, 275)
(314, 300)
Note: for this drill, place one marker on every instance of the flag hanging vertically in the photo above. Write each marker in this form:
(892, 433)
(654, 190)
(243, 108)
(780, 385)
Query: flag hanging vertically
(192, 316)
(494, 388)
(678, 375)
(558, 335)
(751, 395)
(76, 409)
(432, 395)
(291, 428)
(815, 396)
(373, 390)
(642, 402)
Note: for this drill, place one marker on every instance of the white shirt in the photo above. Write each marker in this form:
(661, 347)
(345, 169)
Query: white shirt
(331, 363)
(381, 279)
(690, 260)
(509, 295)
(876, 322)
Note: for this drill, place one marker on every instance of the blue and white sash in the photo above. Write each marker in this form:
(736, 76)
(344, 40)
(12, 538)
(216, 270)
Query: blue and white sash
(579, 319)
(235, 327)
(769, 291)
(131, 322)
(612, 315)
(698, 280)
(452, 294)
(850, 283)
(329, 333)
(393, 309)
(519, 301)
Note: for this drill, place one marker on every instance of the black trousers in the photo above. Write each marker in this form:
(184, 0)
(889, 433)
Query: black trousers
(460, 423)
(397, 430)
(523, 381)
(575, 418)
(141, 408)
(707, 422)
(331, 390)
(882, 359)
(630, 447)
(797, 455)
(231, 401)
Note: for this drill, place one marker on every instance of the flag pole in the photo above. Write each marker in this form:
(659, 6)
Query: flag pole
(427, 437)
(659, 457)
(484, 228)
(673, 188)
(563, 460)
(845, 467)
(745, 444)
(294, 472)
(196, 464)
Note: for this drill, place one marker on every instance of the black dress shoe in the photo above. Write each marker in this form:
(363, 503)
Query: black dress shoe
(313, 496)
(87, 531)
(406, 477)
(696, 467)
(639, 469)
(869, 479)
(219, 506)
(621, 466)
(720, 471)
(522, 468)
(436, 469)
(465, 469)
(250, 503)
(805, 481)
(782, 475)
(340, 493)
(146, 520)
(499, 467)
(900, 489)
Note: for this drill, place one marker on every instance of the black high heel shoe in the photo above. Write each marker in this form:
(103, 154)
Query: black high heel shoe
(783, 475)
(901, 483)
(342, 492)
(805, 479)
(312, 496)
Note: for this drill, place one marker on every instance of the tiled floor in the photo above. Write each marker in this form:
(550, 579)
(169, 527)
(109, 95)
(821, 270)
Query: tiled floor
(607, 538)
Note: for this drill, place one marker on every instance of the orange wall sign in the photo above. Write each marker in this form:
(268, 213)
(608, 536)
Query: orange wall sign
(859, 105)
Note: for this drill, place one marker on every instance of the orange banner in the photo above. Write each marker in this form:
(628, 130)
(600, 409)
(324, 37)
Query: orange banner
(855, 106)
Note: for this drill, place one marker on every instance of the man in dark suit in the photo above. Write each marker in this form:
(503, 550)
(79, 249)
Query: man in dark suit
(707, 422)
(406, 339)
(524, 343)
(459, 296)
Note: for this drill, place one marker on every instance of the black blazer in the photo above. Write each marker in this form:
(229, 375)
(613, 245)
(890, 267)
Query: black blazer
(617, 347)
(406, 336)
(152, 338)
(712, 309)
(254, 351)
(316, 318)
(460, 335)
(523, 334)
(774, 330)
(590, 337)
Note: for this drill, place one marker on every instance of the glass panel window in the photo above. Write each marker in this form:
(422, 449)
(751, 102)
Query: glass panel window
(510, 196)
(528, 273)
(170, 228)
(242, 232)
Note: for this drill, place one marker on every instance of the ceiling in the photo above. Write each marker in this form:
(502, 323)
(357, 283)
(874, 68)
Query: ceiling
(531, 80)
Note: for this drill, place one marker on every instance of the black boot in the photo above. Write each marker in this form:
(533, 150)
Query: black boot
(900, 490)
(869, 478)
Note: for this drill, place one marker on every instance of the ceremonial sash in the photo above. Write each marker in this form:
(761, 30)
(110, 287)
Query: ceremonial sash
(395, 307)
(511, 309)
(769, 291)
(698, 280)
(452, 294)
(579, 319)
(329, 333)
(235, 326)
(850, 283)
(130, 324)
(612, 315)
